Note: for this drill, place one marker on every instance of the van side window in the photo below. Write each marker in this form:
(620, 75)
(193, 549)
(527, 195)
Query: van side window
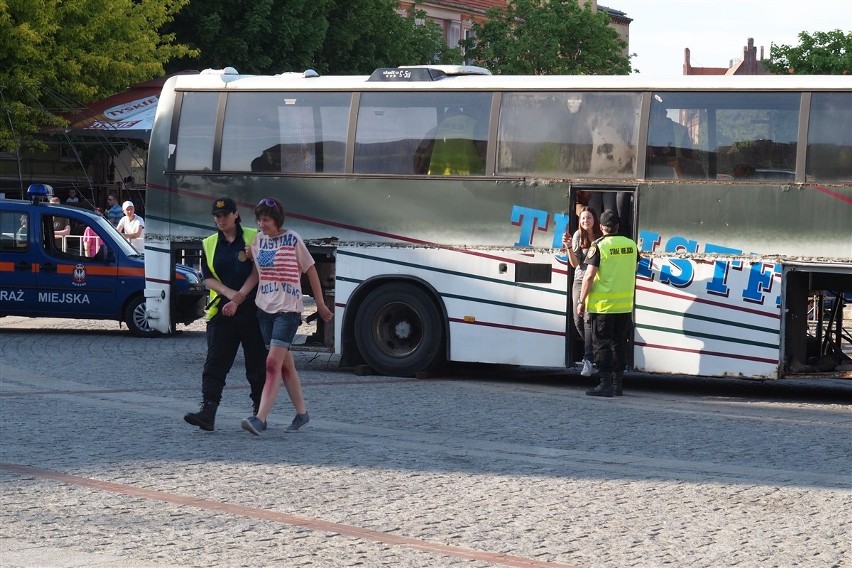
(14, 231)
(62, 237)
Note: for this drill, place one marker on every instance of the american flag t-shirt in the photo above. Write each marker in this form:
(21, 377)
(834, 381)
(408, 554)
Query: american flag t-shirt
(280, 263)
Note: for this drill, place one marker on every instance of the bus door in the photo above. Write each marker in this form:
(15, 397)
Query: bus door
(620, 199)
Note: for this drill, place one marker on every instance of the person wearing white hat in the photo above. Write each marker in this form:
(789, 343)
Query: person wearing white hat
(132, 226)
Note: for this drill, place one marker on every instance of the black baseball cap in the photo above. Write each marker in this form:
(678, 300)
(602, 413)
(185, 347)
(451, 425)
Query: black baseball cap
(609, 219)
(224, 205)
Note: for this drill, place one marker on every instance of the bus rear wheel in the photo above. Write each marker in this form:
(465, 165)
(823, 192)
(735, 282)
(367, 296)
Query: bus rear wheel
(136, 318)
(398, 330)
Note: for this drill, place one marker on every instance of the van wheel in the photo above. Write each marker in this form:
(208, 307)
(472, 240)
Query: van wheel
(398, 330)
(136, 319)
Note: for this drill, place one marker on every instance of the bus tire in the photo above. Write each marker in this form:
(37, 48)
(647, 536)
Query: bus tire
(398, 330)
(136, 319)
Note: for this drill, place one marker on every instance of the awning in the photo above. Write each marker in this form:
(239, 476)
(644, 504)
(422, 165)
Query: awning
(129, 114)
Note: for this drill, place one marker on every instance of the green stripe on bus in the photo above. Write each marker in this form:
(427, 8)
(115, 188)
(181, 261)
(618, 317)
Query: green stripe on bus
(707, 336)
(453, 273)
(709, 319)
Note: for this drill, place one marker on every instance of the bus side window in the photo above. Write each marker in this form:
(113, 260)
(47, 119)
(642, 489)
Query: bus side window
(285, 132)
(390, 128)
(194, 149)
(830, 137)
(568, 134)
(707, 135)
(670, 149)
(401, 133)
(268, 161)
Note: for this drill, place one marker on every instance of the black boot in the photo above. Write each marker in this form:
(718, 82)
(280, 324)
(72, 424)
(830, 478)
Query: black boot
(255, 406)
(616, 384)
(604, 388)
(205, 418)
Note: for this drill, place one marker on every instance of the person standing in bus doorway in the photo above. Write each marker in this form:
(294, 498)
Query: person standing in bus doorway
(132, 226)
(607, 294)
(281, 258)
(577, 248)
(231, 315)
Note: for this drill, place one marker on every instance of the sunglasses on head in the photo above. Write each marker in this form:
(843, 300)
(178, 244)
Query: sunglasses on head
(269, 202)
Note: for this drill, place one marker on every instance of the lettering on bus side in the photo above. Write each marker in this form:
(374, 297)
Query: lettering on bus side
(676, 272)
(679, 272)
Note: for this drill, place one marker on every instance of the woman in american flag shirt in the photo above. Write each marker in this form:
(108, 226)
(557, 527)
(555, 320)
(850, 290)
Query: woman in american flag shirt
(281, 258)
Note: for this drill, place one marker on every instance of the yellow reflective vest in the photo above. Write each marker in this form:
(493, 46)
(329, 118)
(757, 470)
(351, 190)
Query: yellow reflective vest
(209, 245)
(455, 152)
(615, 281)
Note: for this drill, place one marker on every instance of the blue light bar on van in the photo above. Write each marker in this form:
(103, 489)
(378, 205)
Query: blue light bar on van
(39, 191)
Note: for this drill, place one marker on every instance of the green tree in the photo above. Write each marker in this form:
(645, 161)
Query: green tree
(256, 37)
(330, 36)
(59, 54)
(823, 53)
(369, 35)
(537, 37)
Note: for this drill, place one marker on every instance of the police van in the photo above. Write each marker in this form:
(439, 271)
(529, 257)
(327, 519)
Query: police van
(62, 261)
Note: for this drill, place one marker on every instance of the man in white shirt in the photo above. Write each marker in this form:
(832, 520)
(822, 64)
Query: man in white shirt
(132, 226)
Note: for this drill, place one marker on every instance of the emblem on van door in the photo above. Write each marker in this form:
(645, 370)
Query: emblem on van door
(79, 275)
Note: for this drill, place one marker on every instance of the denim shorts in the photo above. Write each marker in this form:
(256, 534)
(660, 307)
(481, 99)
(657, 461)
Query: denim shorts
(279, 329)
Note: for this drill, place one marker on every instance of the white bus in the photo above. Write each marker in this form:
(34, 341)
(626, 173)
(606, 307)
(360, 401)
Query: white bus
(435, 200)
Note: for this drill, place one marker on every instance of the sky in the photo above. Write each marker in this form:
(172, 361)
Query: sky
(716, 31)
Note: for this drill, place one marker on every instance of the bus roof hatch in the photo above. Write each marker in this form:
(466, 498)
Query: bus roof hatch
(425, 72)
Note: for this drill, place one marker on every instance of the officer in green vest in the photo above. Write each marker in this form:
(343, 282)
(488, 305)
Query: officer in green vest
(230, 276)
(456, 150)
(607, 294)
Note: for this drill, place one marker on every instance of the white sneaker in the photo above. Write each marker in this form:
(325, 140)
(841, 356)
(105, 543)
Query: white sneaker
(587, 369)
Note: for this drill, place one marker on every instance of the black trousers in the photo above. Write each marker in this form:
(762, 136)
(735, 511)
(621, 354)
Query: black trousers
(224, 336)
(610, 336)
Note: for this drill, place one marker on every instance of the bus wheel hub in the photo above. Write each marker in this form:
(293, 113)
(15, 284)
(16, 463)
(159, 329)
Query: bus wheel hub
(403, 330)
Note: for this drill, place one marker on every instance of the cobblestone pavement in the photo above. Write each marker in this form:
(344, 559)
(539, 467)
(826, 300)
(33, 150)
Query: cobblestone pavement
(480, 467)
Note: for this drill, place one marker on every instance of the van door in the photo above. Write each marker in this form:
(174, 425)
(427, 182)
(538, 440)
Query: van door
(70, 282)
(17, 277)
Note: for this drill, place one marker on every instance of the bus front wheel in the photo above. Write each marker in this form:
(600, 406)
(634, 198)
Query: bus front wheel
(398, 330)
(136, 318)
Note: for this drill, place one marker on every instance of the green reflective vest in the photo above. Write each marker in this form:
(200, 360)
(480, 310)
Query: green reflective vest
(615, 281)
(455, 152)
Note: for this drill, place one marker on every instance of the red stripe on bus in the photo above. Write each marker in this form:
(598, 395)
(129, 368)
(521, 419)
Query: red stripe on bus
(504, 326)
(834, 194)
(704, 352)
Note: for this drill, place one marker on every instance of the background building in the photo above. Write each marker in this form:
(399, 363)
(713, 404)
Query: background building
(456, 17)
(748, 65)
